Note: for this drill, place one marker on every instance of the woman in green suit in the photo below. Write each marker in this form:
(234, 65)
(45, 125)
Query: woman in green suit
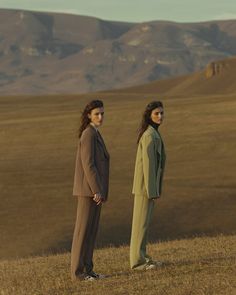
(147, 186)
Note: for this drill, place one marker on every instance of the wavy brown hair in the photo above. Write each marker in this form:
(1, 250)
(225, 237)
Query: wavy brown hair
(84, 120)
(146, 119)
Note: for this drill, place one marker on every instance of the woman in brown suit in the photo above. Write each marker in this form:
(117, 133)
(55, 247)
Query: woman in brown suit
(91, 187)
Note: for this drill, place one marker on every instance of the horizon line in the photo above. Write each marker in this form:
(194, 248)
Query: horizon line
(74, 13)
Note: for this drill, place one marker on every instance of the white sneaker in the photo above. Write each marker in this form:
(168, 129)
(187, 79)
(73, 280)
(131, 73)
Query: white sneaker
(96, 275)
(153, 265)
(150, 266)
(89, 278)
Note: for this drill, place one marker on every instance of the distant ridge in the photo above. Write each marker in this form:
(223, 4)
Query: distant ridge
(50, 53)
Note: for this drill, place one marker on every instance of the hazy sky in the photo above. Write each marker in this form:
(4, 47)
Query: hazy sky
(135, 10)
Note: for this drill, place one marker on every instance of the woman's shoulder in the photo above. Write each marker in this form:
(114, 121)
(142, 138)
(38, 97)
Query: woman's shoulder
(150, 131)
(149, 135)
(89, 132)
(146, 137)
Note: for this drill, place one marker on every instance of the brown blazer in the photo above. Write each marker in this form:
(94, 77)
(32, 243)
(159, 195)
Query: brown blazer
(92, 165)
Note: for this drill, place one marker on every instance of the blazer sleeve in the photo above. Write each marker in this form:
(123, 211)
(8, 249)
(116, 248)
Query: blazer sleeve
(88, 145)
(150, 165)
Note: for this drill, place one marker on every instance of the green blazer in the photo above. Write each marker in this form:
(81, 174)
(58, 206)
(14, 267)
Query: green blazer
(149, 165)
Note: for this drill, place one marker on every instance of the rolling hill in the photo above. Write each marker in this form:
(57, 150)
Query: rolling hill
(191, 266)
(37, 153)
(49, 53)
(219, 77)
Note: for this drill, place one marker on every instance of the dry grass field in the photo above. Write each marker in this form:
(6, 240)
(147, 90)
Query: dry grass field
(198, 266)
(38, 138)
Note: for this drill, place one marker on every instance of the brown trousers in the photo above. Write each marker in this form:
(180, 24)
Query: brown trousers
(86, 227)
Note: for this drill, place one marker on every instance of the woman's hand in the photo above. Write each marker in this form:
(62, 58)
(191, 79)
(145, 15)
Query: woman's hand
(98, 198)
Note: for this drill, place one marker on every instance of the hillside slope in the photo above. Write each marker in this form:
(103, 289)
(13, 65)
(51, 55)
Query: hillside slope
(218, 77)
(37, 154)
(197, 266)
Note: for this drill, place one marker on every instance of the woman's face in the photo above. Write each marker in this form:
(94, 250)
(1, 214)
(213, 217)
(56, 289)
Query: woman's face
(157, 115)
(96, 116)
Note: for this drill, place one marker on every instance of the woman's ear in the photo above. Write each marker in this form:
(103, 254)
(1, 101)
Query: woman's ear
(89, 115)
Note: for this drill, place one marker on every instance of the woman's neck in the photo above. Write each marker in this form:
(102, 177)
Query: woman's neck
(154, 125)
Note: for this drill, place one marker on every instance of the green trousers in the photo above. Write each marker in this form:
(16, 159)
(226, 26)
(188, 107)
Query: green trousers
(143, 210)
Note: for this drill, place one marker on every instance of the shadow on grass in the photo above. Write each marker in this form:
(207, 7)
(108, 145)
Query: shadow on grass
(64, 245)
(182, 263)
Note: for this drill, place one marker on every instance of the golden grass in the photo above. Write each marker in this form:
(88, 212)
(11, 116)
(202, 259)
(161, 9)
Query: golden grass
(198, 266)
(37, 153)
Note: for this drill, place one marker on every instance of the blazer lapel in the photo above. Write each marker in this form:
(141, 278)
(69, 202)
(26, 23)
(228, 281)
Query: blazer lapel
(100, 140)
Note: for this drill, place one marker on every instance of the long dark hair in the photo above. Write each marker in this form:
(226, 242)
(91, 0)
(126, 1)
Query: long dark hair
(146, 119)
(87, 110)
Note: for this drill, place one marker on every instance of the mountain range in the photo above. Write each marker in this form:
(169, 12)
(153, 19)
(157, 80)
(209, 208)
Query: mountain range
(50, 53)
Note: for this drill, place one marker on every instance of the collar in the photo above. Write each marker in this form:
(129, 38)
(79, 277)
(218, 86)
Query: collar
(91, 124)
(154, 125)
